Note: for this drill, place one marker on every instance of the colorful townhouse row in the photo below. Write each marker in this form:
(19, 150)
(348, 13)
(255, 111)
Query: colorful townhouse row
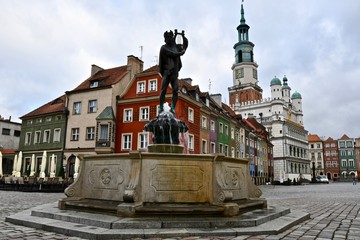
(337, 159)
(107, 112)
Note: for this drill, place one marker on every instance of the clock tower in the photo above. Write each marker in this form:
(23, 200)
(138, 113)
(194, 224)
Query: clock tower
(245, 78)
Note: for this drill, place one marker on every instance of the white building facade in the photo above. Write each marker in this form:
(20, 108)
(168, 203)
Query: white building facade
(281, 113)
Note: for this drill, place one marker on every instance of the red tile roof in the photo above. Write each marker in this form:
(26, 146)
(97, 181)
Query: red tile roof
(8, 151)
(344, 137)
(106, 77)
(229, 110)
(330, 139)
(314, 138)
(54, 106)
(154, 68)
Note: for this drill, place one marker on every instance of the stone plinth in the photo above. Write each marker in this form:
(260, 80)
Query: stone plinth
(160, 183)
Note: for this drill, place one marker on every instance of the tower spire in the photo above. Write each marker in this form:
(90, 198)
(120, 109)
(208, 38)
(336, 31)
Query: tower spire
(242, 20)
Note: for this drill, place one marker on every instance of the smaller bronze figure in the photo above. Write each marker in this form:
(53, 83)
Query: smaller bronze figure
(170, 65)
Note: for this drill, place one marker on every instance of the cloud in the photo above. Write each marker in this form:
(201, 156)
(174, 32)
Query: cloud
(47, 48)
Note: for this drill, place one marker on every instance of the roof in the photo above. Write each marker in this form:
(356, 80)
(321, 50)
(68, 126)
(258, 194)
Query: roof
(314, 138)
(344, 137)
(154, 68)
(106, 114)
(229, 110)
(55, 106)
(285, 84)
(296, 95)
(105, 77)
(7, 151)
(275, 81)
(330, 139)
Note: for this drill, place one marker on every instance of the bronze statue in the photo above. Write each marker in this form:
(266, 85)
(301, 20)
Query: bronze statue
(170, 65)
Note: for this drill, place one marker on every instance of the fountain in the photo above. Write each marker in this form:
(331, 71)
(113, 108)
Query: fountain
(162, 192)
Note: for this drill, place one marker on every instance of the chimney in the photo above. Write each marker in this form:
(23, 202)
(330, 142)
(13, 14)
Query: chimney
(95, 69)
(135, 65)
(216, 98)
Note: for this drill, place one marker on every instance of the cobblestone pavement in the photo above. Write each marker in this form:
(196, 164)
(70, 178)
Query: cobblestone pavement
(334, 209)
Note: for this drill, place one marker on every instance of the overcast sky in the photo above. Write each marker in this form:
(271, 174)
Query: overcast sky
(47, 48)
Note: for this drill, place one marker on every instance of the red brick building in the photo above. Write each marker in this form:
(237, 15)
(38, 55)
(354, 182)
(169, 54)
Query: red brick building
(139, 104)
(331, 160)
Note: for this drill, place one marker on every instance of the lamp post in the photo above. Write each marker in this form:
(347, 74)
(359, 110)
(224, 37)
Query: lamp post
(313, 170)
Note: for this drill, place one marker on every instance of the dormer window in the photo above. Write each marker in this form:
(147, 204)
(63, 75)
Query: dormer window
(140, 87)
(94, 84)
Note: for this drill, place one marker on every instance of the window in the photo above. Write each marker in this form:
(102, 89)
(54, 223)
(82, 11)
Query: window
(204, 122)
(221, 128)
(233, 152)
(57, 135)
(318, 145)
(204, 146)
(39, 120)
(153, 85)
(128, 115)
(351, 163)
(140, 87)
(94, 84)
(90, 133)
(226, 150)
(212, 126)
(92, 106)
(144, 113)
(17, 133)
(37, 138)
(46, 138)
(29, 122)
(48, 119)
(327, 145)
(191, 142)
(104, 132)
(312, 145)
(75, 134)
(143, 140)
(221, 148)
(28, 138)
(343, 163)
(126, 142)
(77, 108)
(232, 133)
(191, 115)
(226, 130)
(5, 131)
(212, 148)
(342, 144)
(319, 156)
(349, 144)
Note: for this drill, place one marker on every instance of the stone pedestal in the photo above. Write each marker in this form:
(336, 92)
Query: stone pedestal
(163, 183)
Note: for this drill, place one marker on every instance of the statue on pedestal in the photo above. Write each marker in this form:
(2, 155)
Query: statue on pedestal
(170, 65)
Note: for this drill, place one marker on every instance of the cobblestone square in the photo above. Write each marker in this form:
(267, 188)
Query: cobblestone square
(334, 209)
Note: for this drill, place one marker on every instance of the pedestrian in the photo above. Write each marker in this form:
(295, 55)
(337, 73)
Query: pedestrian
(354, 180)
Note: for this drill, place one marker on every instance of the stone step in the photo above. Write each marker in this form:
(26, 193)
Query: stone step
(271, 220)
(111, 207)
